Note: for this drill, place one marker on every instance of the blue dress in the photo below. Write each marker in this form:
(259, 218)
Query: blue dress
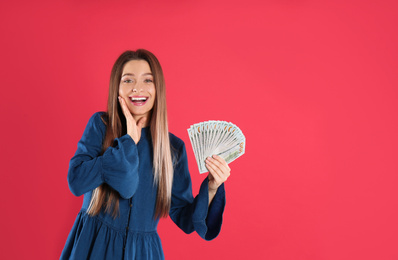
(127, 168)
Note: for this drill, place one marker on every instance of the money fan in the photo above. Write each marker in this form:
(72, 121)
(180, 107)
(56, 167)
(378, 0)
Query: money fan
(216, 137)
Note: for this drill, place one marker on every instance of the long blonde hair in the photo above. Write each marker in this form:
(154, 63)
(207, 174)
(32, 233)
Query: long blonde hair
(106, 197)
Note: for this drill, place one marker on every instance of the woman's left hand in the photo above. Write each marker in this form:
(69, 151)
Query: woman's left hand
(219, 172)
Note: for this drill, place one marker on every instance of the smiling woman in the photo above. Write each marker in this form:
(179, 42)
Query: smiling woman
(132, 172)
(137, 88)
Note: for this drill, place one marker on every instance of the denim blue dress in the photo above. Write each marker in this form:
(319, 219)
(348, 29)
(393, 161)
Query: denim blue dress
(127, 168)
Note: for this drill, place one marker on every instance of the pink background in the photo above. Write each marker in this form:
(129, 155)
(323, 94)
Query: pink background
(312, 84)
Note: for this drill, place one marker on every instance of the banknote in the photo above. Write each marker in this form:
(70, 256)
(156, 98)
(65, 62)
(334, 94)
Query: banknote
(216, 137)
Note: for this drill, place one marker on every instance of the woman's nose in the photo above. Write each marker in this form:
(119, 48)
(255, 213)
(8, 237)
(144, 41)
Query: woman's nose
(138, 87)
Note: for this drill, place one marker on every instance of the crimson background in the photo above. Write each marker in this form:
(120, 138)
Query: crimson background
(312, 84)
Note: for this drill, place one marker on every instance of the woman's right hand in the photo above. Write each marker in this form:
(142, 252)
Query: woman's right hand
(133, 127)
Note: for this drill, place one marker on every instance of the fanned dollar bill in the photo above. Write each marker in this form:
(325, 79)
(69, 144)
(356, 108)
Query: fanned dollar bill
(216, 137)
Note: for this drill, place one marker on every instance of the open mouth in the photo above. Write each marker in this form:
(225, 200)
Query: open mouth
(138, 100)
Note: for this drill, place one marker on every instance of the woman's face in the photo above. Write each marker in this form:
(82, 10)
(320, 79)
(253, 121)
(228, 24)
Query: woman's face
(137, 88)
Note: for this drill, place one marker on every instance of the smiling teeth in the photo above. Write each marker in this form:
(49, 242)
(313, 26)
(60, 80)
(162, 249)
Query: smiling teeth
(138, 99)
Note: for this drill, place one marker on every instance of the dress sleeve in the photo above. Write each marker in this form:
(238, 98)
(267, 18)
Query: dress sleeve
(193, 214)
(117, 166)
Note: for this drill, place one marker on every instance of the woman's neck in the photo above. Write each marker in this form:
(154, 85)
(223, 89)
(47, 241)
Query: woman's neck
(139, 117)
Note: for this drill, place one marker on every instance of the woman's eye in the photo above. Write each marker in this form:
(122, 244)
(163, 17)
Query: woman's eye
(127, 81)
(148, 81)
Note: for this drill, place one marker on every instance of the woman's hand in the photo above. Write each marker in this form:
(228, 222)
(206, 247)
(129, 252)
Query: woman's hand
(133, 127)
(219, 172)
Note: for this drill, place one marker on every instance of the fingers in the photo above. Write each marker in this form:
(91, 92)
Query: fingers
(133, 129)
(218, 163)
(124, 107)
(214, 172)
(222, 161)
(218, 169)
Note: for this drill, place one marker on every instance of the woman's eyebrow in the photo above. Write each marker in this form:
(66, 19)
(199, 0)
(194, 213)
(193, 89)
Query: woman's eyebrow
(132, 74)
(128, 74)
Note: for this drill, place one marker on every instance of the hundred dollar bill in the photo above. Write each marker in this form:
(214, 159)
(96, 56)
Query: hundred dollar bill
(216, 137)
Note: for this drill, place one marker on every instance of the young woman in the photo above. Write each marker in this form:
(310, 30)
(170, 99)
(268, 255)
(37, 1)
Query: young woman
(132, 172)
